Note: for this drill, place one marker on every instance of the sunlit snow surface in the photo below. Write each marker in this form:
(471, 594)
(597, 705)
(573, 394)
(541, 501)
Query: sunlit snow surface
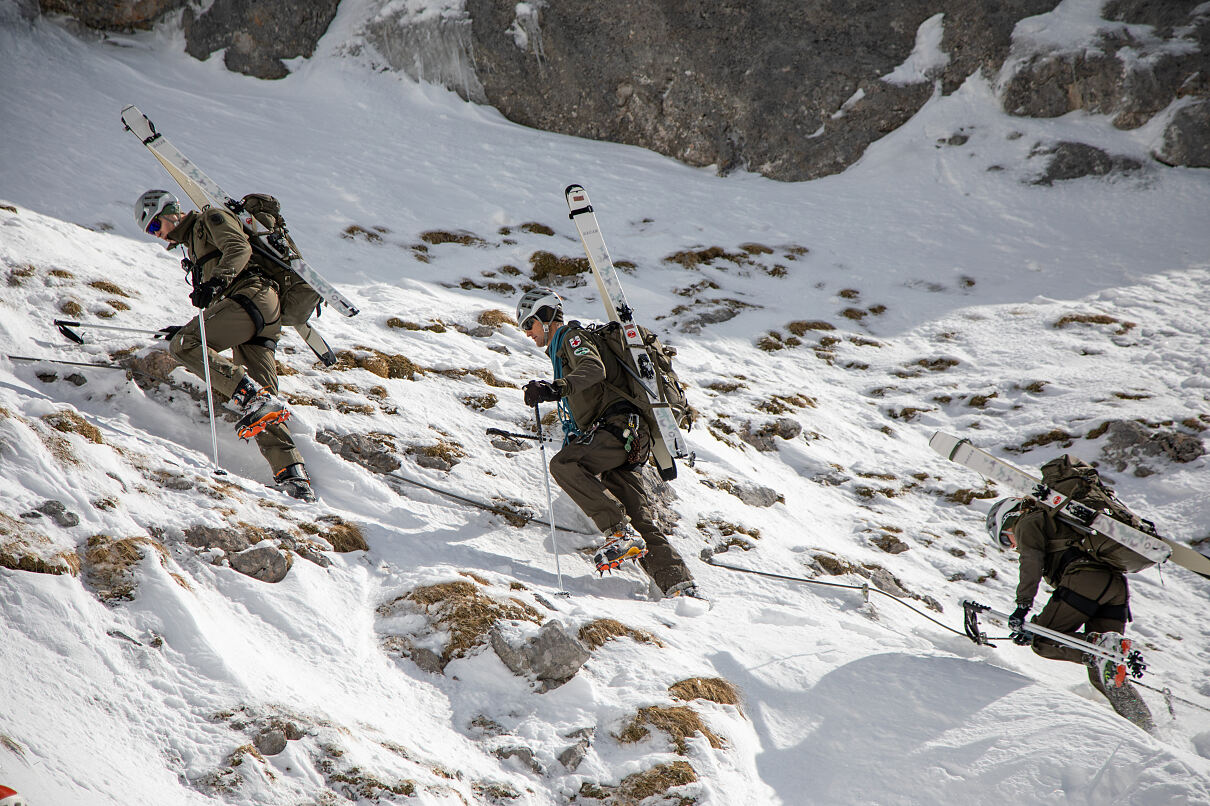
(960, 258)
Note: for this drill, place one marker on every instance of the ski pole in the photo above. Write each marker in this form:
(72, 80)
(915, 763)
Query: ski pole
(508, 515)
(61, 361)
(550, 501)
(201, 325)
(707, 556)
(65, 327)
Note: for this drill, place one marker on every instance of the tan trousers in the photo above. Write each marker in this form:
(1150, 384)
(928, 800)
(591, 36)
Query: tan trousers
(229, 326)
(592, 476)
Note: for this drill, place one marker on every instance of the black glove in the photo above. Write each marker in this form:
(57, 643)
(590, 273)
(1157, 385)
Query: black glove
(170, 331)
(1015, 622)
(204, 294)
(540, 392)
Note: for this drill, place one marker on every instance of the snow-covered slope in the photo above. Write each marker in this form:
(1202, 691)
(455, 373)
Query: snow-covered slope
(959, 296)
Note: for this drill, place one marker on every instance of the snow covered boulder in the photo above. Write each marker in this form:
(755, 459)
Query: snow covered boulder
(266, 563)
(368, 450)
(551, 654)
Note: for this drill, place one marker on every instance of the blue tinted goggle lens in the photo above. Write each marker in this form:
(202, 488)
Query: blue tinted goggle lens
(154, 226)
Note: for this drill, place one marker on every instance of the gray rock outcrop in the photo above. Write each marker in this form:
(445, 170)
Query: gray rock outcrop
(255, 37)
(792, 89)
(551, 655)
(1129, 442)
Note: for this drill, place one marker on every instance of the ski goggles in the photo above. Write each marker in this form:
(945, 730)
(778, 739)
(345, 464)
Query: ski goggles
(155, 226)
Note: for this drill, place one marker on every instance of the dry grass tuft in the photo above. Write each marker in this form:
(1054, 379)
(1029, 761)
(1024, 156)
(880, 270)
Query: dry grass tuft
(1038, 440)
(679, 721)
(494, 317)
(780, 404)
(756, 249)
(640, 786)
(480, 402)
(71, 308)
(691, 258)
(714, 689)
(801, 326)
(18, 550)
(69, 422)
(656, 781)
(597, 633)
(536, 228)
(19, 275)
(547, 265)
(437, 237)
(110, 288)
(353, 232)
(460, 609)
(1093, 319)
(109, 564)
(382, 364)
(344, 536)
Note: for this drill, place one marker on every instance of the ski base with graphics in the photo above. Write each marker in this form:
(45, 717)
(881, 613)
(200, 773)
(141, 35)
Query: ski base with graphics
(668, 444)
(205, 192)
(1154, 547)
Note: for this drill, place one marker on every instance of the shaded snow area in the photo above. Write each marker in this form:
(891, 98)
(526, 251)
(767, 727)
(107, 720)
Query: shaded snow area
(825, 329)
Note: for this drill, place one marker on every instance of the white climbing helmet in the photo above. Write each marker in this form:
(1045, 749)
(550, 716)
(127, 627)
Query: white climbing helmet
(153, 203)
(1001, 517)
(533, 302)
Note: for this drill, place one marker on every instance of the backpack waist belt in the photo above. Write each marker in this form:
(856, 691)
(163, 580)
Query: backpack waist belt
(1090, 608)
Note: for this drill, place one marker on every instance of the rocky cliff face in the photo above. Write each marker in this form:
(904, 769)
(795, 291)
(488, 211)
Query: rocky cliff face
(793, 89)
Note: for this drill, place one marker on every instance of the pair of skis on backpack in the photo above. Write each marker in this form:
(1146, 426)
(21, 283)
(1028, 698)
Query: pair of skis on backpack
(1083, 519)
(205, 192)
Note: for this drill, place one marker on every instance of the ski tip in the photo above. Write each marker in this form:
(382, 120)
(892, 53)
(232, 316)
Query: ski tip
(567, 191)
